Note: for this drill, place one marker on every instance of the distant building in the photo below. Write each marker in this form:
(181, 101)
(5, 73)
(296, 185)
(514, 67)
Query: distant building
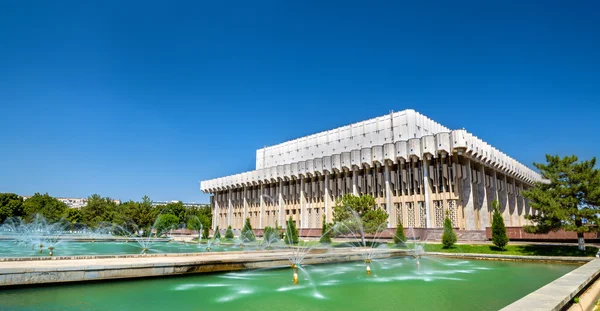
(186, 204)
(74, 202)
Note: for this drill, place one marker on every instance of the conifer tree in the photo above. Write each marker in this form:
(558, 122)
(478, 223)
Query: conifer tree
(229, 233)
(399, 237)
(325, 234)
(291, 233)
(217, 235)
(247, 234)
(568, 199)
(499, 237)
(449, 236)
(205, 233)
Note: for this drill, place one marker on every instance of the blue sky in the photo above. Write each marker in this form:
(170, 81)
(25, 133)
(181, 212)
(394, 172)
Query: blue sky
(126, 98)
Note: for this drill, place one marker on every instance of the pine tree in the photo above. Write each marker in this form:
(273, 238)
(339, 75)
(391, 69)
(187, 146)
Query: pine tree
(499, 237)
(325, 234)
(291, 233)
(229, 233)
(399, 237)
(217, 235)
(247, 234)
(569, 199)
(449, 237)
(205, 233)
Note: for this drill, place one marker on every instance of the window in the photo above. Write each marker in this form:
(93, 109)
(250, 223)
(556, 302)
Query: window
(410, 213)
(439, 213)
(422, 214)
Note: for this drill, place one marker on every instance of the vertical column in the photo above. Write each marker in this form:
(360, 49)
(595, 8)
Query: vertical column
(302, 203)
(245, 207)
(262, 203)
(354, 181)
(468, 206)
(388, 194)
(216, 215)
(230, 210)
(280, 212)
(326, 198)
(427, 190)
(484, 215)
(507, 208)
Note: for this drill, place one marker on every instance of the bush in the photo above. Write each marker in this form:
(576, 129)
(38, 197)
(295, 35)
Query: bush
(325, 234)
(291, 233)
(165, 222)
(270, 235)
(229, 233)
(247, 234)
(399, 237)
(449, 237)
(499, 237)
(205, 233)
(217, 235)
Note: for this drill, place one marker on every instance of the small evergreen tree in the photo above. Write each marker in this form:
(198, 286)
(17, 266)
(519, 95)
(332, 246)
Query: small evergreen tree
(279, 230)
(229, 233)
(499, 237)
(291, 233)
(325, 234)
(247, 234)
(449, 237)
(205, 233)
(270, 235)
(217, 235)
(399, 237)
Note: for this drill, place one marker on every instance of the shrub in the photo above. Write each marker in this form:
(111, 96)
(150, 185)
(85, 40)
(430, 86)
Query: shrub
(291, 233)
(449, 237)
(217, 235)
(229, 233)
(325, 234)
(270, 235)
(499, 237)
(205, 233)
(247, 234)
(399, 237)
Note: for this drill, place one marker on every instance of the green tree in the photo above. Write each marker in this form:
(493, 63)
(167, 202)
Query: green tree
(499, 237)
(205, 232)
(247, 235)
(229, 233)
(217, 235)
(176, 209)
(165, 222)
(46, 206)
(349, 207)
(73, 216)
(291, 233)
(143, 214)
(11, 205)
(98, 209)
(270, 235)
(325, 232)
(568, 199)
(399, 236)
(449, 236)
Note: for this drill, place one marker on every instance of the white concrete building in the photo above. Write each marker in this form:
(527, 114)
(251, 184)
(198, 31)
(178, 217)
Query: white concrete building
(415, 168)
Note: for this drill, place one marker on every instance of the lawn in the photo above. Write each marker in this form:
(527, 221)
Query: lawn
(523, 250)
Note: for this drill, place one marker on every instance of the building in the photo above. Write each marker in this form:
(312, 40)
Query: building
(416, 169)
(185, 204)
(74, 202)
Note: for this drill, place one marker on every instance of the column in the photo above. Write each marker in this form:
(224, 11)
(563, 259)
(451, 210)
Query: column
(216, 214)
(484, 211)
(280, 212)
(468, 206)
(302, 203)
(507, 208)
(388, 194)
(230, 210)
(354, 181)
(427, 191)
(326, 194)
(245, 207)
(262, 203)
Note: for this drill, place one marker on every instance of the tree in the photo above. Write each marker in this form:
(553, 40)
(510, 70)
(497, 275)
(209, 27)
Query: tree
(449, 237)
(568, 199)
(73, 216)
(291, 233)
(325, 232)
(11, 205)
(165, 222)
(98, 209)
(44, 205)
(217, 235)
(399, 236)
(349, 207)
(143, 214)
(205, 232)
(270, 235)
(499, 237)
(176, 209)
(229, 233)
(247, 234)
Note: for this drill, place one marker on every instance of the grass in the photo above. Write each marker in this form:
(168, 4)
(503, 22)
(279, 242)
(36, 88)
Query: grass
(522, 250)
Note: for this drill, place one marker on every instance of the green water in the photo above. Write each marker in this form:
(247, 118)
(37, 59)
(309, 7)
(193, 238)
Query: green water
(10, 249)
(396, 284)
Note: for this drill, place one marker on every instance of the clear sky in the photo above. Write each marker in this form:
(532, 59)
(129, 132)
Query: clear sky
(126, 98)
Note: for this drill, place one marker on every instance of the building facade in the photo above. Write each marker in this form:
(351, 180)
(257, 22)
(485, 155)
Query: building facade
(416, 169)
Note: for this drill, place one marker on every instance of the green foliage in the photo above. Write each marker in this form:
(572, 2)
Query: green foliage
(518, 249)
(325, 232)
(73, 216)
(399, 236)
(217, 235)
(142, 213)
(499, 237)
(247, 235)
(11, 205)
(449, 236)
(229, 233)
(205, 232)
(270, 234)
(44, 205)
(291, 233)
(98, 210)
(279, 230)
(371, 218)
(571, 200)
(165, 222)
